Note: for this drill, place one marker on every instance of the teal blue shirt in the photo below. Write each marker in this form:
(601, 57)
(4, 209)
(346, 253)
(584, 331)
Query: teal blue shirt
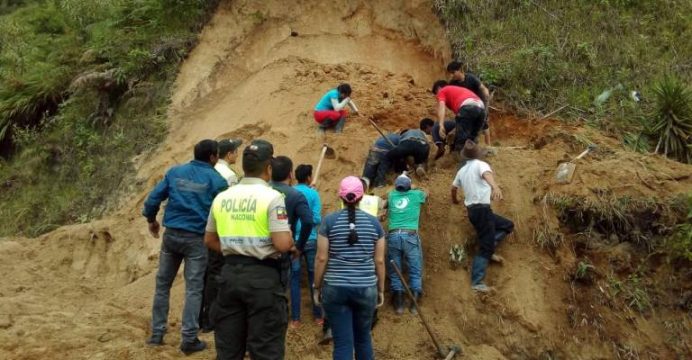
(325, 102)
(315, 205)
(404, 209)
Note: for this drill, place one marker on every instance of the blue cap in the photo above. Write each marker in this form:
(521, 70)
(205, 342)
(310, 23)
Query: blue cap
(402, 183)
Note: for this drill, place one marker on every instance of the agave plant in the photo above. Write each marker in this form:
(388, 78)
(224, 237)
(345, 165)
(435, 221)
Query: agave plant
(672, 119)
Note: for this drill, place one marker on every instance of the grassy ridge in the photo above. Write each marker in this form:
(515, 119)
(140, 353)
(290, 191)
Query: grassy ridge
(83, 88)
(545, 54)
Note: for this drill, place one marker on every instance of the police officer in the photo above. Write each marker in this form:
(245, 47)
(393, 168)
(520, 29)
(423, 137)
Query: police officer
(248, 223)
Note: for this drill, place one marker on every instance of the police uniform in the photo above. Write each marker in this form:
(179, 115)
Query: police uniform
(251, 310)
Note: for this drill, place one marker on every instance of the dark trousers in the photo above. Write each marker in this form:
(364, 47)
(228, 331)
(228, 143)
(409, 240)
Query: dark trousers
(470, 120)
(376, 167)
(491, 229)
(211, 288)
(418, 149)
(250, 313)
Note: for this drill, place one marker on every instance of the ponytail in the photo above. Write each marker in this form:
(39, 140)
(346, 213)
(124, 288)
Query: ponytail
(352, 235)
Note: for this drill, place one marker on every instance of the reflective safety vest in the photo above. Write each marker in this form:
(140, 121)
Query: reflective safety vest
(242, 220)
(369, 203)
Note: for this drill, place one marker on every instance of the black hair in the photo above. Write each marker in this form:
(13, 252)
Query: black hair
(225, 149)
(281, 168)
(351, 209)
(439, 84)
(205, 149)
(344, 89)
(252, 167)
(426, 123)
(303, 172)
(455, 66)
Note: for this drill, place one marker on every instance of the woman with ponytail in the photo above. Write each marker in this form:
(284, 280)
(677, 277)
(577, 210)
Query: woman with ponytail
(349, 273)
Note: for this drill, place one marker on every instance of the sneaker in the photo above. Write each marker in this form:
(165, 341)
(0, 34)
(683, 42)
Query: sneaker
(481, 288)
(155, 340)
(192, 347)
(326, 337)
(497, 258)
(294, 324)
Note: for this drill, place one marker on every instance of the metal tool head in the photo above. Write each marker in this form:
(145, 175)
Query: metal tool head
(592, 147)
(330, 153)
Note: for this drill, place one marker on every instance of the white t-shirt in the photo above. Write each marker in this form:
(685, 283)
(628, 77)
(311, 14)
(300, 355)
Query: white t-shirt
(470, 178)
(225, 171)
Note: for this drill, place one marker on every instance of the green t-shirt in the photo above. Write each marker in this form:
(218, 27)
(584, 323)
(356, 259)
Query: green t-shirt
(404, 209)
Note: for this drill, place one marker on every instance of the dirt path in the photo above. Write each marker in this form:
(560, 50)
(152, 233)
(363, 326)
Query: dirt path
(84, 291)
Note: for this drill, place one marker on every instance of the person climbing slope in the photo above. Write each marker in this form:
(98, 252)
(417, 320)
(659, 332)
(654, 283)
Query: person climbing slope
(349, 273)
(465, 79)
(477, 180)
(330, 110)
(403, 240)
(467, 106)
(190, 190)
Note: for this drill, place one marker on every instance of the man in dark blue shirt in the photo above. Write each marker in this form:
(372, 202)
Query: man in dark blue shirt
(190, 190)
(377, 164)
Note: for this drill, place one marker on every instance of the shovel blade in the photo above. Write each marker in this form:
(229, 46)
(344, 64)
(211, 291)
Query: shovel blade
(329, 152)
(565, 173)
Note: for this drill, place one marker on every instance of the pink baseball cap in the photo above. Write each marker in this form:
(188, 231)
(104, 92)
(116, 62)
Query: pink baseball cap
(351, 189)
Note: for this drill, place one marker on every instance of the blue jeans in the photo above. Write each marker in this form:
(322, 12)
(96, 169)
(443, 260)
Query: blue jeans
(405, 246)
(350, 312)
(309, 255)
(176, 246)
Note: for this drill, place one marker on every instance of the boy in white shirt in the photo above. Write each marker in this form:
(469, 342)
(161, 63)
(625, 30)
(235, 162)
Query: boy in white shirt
(477, 181)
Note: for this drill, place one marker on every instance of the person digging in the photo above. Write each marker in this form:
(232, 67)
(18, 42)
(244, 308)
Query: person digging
(478, 183)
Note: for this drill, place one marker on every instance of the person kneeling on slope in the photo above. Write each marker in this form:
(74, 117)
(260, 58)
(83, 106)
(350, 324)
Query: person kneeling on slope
(330, 112)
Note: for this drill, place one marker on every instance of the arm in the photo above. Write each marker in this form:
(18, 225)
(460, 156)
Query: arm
(441, 110)
(486, 95)
(379, 263)
(211, 240)
(156, 197)
(497, 192)
(280, 230)
(455, 198)
(321, 260)
(353, 106)
(340, 105)
(306, 222)
(282, 241)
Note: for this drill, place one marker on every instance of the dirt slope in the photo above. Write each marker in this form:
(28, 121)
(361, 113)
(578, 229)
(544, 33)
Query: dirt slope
(84, 291)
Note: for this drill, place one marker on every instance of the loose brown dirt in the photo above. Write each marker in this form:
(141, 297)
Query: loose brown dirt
(84, 291)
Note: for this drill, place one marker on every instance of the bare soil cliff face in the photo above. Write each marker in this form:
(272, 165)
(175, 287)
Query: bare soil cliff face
(85, 291)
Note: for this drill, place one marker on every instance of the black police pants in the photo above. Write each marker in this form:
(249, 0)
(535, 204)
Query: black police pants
(470, 120)
(250, 313)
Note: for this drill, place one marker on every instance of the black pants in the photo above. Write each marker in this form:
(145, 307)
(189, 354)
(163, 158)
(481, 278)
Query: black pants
(211, 288)
(376, 168)
(418, 149)
(490, 228)
(250, 313)
(470, 120)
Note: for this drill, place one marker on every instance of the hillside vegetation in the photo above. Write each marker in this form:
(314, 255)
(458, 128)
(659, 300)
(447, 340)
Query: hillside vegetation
(83, 88)
(585, 58)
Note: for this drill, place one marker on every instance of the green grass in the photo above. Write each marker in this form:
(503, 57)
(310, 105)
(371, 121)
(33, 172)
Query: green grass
(542, 55)
(84, 86)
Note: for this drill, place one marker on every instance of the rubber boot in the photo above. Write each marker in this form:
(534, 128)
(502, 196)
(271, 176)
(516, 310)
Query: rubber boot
(412, 307)
(398, 300)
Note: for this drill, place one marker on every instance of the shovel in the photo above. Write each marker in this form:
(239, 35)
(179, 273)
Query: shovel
(329, 153)
(565, 171)
(446, 353)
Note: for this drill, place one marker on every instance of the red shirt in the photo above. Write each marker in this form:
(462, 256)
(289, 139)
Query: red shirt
(453, 96)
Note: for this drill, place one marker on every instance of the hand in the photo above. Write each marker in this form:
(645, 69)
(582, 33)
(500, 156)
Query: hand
(317, 296)
(380, 298)
(154, 228)
(443, 133)
(497, 193)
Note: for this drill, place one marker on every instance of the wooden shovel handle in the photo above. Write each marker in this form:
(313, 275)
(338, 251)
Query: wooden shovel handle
(319, 165)
(381, 133)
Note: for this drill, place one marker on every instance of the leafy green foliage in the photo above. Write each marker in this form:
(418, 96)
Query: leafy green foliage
(543, 55)
(83, 88)
(672, 118)
(680, 243)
